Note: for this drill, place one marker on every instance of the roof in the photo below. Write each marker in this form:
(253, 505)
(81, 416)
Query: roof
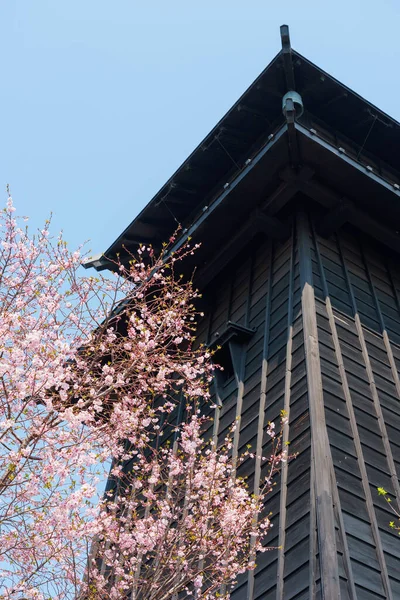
(339, 115)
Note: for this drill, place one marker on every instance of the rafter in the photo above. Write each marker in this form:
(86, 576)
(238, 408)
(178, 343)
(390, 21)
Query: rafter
(258, 222)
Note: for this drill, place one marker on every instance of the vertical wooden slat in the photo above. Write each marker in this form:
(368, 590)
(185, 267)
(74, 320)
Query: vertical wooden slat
(312, 555)
(239, 376)
(374, 391)
(285, 433)
(319, 438)
(374, 394)
(217, 410)
(261, 410)
(218, 400)
(385, 336)
(353, 424)
(249, 289)
(238, 359)
(231, 287)
(392, 283)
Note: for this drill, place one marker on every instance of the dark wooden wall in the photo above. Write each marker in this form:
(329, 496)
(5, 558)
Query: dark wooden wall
(327, 350)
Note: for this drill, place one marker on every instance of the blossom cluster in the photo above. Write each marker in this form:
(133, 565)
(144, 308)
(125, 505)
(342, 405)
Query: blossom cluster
(91, 370)
(194, 530)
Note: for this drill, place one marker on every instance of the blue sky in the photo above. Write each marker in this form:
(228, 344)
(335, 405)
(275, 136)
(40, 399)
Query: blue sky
(102, 100)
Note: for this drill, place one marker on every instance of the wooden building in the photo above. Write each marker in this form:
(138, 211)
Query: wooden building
(295, 196)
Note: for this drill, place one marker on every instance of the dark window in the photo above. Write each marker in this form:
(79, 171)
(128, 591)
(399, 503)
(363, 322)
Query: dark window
(227, 346)
(223, 358)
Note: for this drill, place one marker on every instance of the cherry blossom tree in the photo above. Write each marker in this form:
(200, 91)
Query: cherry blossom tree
(195, 532)
(91, 371)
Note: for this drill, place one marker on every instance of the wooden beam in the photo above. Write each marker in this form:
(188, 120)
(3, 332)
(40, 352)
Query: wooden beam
(157, 222)
(380, 232)
(271, 226)
(287, 58)
(335, 218)
(135, 240)
(279, 198)
(373, 177)
(320, 449)
(297, 177)
(320, 193)
(292, 180)
(171, 199)
(252, 111)
(355, 215)
(233, 247)
(256, 223)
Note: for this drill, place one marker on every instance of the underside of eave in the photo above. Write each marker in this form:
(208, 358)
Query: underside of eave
(341, 190)
(261, 198)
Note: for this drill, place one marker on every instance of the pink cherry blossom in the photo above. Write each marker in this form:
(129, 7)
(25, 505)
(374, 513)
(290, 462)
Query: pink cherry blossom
(91, 370)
